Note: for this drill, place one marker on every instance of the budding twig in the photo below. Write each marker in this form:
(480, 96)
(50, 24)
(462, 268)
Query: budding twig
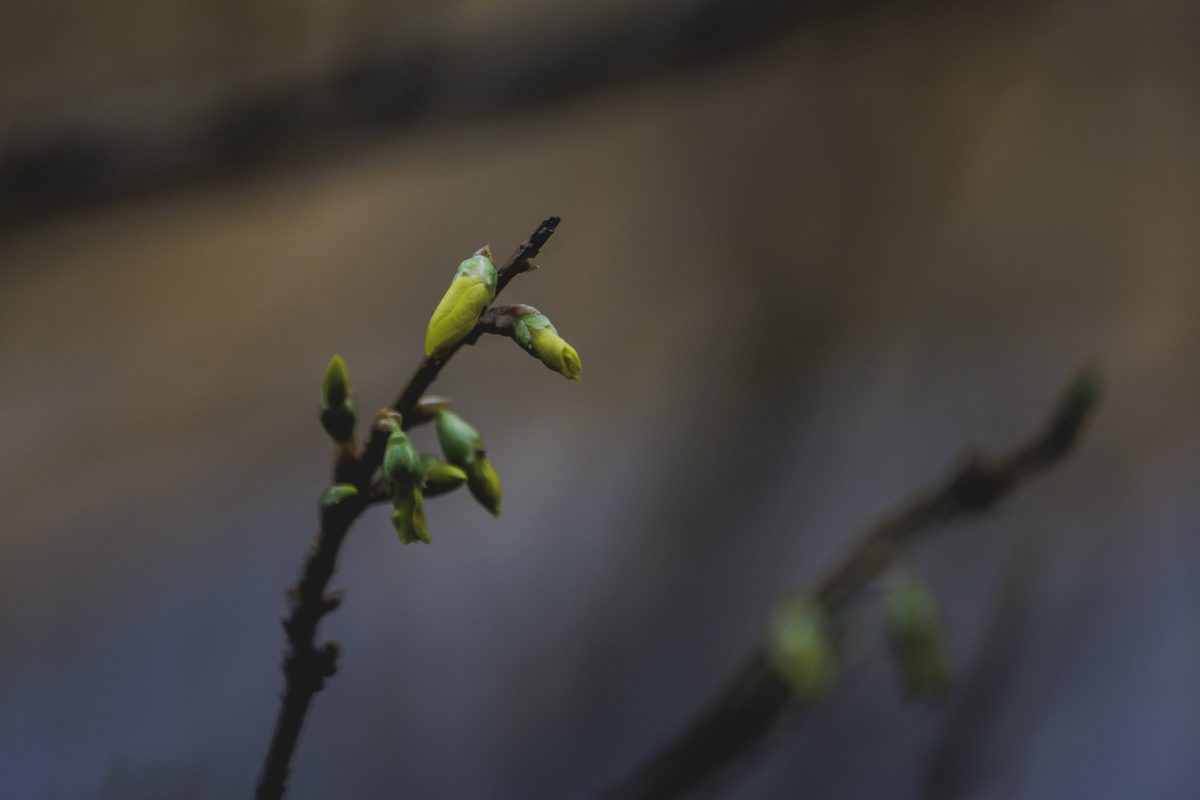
(306, 665)
(758, 695)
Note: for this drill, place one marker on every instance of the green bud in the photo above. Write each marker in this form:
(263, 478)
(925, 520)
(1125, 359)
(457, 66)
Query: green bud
(460, 442)
(917, 637)
(335, 385)
(441, 478)
(408, 515)
(334, 499)
(538, 335)
(401, 462)
(338, 414)
(471, 291)
(484, 484)
(802, 651)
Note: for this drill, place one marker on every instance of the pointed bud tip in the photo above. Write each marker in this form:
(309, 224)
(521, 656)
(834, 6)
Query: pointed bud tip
(335, 383)
(484, 483)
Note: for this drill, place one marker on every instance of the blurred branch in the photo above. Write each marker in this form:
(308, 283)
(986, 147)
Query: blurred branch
(103, 149)
(758, 695)
(986, 685)
(306, 665)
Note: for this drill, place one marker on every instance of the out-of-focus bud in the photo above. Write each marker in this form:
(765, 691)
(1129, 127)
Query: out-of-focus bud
(402, 464)
(802, 651)
(471, 291)
(1075, 407)
(918, 638)
(408, 515)
(441, 477)
(484, 484)
(460, 442)
(337, 409)
(538, 335)
(334, 499)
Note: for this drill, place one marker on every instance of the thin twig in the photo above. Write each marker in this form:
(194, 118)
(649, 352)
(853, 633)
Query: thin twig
(756, 698)
(305, 665)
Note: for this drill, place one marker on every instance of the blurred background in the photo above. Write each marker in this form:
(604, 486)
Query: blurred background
(811, 253)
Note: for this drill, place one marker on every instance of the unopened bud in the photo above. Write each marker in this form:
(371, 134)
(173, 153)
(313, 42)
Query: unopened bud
(802, 651)
(441, 477)
(337, 409)
(408, 515)
(461, 443)
(471, 291)
(538, 335)
(917, 637)
(334, 499)
(484, 484)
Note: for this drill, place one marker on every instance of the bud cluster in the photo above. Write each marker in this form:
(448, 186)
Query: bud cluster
(407, 475)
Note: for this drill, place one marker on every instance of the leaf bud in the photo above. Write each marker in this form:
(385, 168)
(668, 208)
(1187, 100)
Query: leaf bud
(441, 477)
(484, 484)
(471, 291)
(802, 651)
(401, 462)
(408, 515)
(338, 413)
(917, 638)
(537, 334)
(461, 443)
(333, 500)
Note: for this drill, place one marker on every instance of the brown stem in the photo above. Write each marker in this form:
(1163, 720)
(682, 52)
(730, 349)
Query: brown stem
(756, 698)
(305, 665)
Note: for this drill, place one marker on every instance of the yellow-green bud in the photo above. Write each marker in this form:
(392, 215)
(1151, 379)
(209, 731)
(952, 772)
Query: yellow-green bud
(538, 335)
(335, 384)
(461, 443)
(918, 638)
(471, 291)
(337, 409)
(334, 499)
(484, 484)
(441, 477)
(802, 651)
(408, 515)
(401, 462)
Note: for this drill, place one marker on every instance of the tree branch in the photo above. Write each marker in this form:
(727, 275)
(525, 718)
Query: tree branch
(305, 665)
(758, 695)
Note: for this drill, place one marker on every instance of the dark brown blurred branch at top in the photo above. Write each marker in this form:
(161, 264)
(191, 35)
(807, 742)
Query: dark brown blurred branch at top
(756, 698)
(90, 152)
(306, 665)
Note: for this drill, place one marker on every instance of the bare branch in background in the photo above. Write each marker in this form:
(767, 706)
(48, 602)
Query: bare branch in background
(754, 701)
(101, 149)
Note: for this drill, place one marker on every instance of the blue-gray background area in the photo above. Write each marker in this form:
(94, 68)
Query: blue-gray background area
(804, 281)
